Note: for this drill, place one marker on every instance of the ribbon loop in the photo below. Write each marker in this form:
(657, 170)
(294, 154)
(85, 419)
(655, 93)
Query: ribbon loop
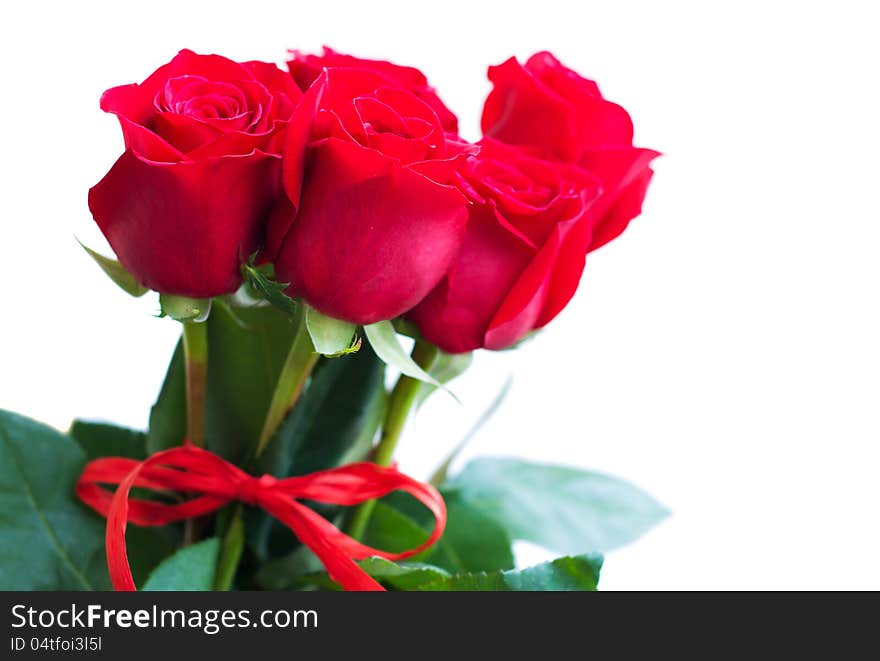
(214, 482)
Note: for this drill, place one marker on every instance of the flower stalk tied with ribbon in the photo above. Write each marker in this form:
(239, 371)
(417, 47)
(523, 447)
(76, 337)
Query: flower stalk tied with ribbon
(216, 482)
(209, 483)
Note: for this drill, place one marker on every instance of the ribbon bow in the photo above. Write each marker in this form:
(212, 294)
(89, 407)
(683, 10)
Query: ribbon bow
(217, 482)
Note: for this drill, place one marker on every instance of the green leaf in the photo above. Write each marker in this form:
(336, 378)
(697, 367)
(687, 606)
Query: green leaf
(360, 442)
(383, 339)
(471, 541)
(182, 308)
(117, 273)
(101, 439)
(562, 574)
(260, 280)
(147, 547)
(341, 406)
(391, 530)
(48, 539)
(475, 540)
(288, 570)
(403, 575)
(168, 415)
(333, 422)
(246, 350)
(563, 509)
(192, 569)
(394, 575)
(331, 337)
(568, 573)
(319, 580)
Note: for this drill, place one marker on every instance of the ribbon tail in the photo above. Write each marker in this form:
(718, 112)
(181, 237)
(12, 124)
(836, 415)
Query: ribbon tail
(117, 517)
(312, 530)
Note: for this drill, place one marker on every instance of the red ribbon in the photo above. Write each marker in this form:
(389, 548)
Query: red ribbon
(216, 482)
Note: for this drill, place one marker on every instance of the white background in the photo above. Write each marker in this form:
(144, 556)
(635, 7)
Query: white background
(723, 353)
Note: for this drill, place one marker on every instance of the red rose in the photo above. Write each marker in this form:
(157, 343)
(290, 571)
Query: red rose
(371, 222)
(523, 253)
(305, 69)
(189, 197)
(548, 107)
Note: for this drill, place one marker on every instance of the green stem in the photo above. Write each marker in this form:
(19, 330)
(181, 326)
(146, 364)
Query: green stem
(195, 353)
(297, 366)
(195, 350)
(230, 550)
(400, 403)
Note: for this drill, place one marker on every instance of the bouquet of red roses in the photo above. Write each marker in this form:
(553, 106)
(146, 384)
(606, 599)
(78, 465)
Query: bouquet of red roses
(304, 227)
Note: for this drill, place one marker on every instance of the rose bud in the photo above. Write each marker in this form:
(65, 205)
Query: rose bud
(523, 253)
(189, 198)
(548, 107)
(371, 221)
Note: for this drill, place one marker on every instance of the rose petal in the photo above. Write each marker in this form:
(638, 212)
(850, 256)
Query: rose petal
(183, 228)
(456, 315)
(556, 111)
(184, 132)
(522, 110)
(123, 102)
(297, 136)
(305, 69)
(627, 205)
(371, 238)
(524, 304)
(567, 269)
(250, 83)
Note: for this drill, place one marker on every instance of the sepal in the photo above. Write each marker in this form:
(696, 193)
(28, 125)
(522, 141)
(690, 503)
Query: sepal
(331, 337)
(183, 308)
(261, 281)
(383, 339)
(116, 272)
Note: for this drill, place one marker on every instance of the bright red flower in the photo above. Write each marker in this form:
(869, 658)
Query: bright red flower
(189, 198)
(371, 221)
(550, 108)
(528, 232)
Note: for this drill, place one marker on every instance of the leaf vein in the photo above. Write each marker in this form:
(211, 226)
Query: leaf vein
(50, 533)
